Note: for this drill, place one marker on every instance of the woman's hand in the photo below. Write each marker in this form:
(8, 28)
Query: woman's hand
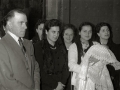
(93, 60)
(60, 86)
(116, 65)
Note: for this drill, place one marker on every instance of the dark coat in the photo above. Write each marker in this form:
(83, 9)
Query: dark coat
(35, 39)
(115, 48)
(60, 66)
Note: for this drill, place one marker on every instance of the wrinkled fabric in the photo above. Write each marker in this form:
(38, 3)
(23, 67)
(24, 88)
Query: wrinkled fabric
(94, 76)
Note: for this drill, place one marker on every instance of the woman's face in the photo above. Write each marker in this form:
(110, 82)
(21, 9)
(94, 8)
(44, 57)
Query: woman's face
(86, 32)
(39, 30)
(53, 34)
(104, 33)
(68, 35)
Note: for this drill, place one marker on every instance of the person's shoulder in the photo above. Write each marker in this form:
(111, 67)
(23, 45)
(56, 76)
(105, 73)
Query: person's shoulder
(38, 44)
(95, 43)
(3, 41)
(27, 42)
(97, 46)
(35, 39)
(60, 47)
(3, 45)
(73, 46)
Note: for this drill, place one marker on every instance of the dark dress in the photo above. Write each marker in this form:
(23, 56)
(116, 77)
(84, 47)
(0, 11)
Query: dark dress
(53, 64)
(115, 48)
(35, 39)
(68, 84)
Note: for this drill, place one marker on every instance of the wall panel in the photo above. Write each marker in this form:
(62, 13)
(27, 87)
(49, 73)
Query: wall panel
(96, 11)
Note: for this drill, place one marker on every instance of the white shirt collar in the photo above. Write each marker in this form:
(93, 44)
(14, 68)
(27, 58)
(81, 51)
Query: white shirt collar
(13, 36)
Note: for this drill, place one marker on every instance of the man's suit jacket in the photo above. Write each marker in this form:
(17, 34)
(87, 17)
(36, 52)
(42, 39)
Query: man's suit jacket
(17, 73)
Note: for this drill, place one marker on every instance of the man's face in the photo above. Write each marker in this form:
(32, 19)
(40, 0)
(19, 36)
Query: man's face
(18, 24)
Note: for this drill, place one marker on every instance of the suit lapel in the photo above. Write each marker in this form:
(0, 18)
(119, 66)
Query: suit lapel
(28, 52)
(13, 44)
(16, 48)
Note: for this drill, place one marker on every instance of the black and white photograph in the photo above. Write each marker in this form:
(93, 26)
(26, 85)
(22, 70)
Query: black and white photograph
(59, 44)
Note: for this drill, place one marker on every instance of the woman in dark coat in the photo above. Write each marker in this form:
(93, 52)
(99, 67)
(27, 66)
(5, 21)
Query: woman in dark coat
(51, 57)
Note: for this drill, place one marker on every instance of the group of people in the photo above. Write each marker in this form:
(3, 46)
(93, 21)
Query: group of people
(87, 58)
(59, 57)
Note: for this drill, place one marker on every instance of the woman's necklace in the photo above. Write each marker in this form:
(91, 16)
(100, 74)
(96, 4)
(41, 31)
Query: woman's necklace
(85, 45)
(53, 47)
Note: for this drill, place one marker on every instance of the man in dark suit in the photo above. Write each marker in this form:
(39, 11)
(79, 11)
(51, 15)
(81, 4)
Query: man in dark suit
(18, 68)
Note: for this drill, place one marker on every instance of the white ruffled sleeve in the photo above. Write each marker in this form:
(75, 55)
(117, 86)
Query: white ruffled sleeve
(80, 70)
(73, 59)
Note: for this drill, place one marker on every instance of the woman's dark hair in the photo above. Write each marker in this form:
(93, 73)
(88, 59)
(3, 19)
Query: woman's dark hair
(98, 28)
(93, 29)
(49, 24)
(40, 21)
(70, 26)
(78, 42)
(36, 38)
(52, 23)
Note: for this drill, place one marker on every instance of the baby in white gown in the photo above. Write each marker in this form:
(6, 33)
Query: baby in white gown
(93, 74)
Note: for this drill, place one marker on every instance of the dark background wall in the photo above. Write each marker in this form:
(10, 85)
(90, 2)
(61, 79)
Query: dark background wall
(95, 11)
(33, 8)
(68, 11)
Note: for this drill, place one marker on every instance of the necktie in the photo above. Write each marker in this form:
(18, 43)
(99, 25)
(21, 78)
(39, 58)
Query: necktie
(24, 52)
(22, 46)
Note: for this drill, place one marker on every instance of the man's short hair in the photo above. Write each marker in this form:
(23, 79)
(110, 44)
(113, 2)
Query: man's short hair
(11, 14)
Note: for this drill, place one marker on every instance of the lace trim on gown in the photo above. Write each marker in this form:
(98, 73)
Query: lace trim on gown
(101, 53)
